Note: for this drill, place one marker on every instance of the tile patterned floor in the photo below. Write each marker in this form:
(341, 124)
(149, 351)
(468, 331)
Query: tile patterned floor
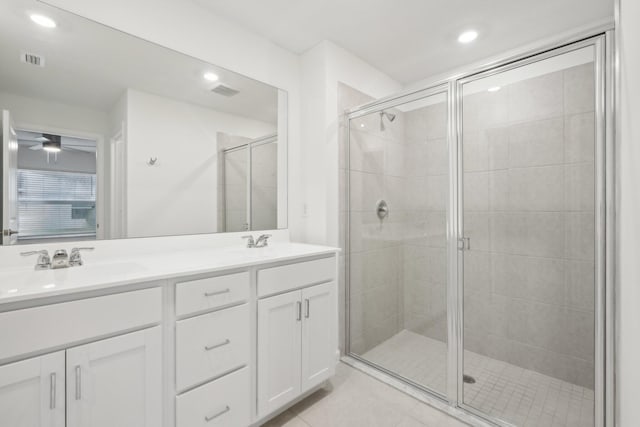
(355, 399)
(516, 395)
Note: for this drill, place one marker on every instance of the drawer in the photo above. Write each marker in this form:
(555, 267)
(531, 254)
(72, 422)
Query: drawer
(281, 279)
(224, 402)
(60, 324)
(212, 292)
(211, 344)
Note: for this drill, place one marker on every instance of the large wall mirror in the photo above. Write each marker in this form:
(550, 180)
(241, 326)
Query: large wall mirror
(105, 135)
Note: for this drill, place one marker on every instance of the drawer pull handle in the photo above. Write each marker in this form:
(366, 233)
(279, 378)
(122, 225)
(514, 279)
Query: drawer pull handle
(216, 415)
(213, 294)
(299, 308)
(52, 391)
(211, 347)
(78, 382)
(307, 312)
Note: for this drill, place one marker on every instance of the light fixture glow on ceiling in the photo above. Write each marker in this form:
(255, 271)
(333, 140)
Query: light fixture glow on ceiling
(42, 20)
(212, 77)
(494, 89)
(468, 36)
(52, 146)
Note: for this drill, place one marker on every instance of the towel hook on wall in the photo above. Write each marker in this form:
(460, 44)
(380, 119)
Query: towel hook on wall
(152, 161)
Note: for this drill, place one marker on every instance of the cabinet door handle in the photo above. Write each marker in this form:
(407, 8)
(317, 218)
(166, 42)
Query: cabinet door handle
(299, 305)
(217, 414)
(307, 308)
(211, 347)
(213, 294)
(78, 382)
(52, 391)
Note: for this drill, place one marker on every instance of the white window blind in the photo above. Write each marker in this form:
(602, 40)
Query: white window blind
(52, 203)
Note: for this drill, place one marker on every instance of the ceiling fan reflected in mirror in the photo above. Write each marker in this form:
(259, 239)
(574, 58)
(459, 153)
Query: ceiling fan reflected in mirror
(50, 143)
(54, 144)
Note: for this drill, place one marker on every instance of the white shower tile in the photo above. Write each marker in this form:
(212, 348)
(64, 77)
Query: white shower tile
(579, 187)
(537, 143)
(536, 98)
(580, 233)
(579, 136)
(579, 89)
(475, 149)
(536, 188)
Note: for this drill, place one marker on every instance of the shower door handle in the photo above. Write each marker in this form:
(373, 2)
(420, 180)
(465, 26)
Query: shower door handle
(464, 243)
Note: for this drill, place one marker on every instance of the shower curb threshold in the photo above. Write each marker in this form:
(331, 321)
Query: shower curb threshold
(420, 395)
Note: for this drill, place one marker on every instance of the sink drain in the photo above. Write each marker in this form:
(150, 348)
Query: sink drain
(468, 379)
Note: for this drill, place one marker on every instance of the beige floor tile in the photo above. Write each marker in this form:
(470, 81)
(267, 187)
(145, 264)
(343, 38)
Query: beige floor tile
(286, 419)
(354, 399)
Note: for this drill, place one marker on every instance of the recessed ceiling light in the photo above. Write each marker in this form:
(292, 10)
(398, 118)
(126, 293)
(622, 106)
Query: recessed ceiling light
(42, 20)
(361, 125)
(494, 89)
(49, 286)
(12, 291)
(468, 36)
(212, 77)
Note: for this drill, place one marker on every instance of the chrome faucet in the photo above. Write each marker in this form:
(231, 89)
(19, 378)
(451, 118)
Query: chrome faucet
(75, 259)
(43, 262)
(262, 241)
(60, 258)
(250, 242)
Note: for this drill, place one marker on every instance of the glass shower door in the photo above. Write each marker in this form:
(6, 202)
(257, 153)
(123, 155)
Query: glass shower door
(529, 221)
(236, 194)
(398, 185)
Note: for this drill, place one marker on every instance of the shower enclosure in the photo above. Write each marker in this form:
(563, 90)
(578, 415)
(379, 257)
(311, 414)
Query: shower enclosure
(249, 185)
(476, 223)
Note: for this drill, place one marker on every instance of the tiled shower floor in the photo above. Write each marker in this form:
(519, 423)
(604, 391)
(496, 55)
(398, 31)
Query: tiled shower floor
(516, 395)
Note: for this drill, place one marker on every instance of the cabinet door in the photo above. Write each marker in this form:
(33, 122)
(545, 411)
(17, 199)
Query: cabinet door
(319, 334)
(32, 392)
(279, 323)
(116, 382)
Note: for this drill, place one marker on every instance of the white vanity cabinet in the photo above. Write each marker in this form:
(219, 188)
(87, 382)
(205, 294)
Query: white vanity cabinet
(32, 392)
(115, 381)
(227, 346)
(297, 331)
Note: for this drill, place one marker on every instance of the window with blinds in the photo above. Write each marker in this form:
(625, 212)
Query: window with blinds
(56, 204)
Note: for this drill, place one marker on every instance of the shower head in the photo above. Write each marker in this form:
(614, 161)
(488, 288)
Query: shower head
(390, 116)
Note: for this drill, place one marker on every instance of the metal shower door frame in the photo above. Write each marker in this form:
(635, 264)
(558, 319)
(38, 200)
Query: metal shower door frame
(602, 39)
(375, 107)
(604, 205)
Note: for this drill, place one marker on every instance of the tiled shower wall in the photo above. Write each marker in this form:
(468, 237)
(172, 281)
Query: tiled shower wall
(376, 247)
(398, 265)
(529, 211)
(425, 253)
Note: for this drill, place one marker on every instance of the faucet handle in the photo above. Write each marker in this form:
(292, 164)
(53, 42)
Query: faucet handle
(44, 261)
(250, 242)
(75, 259)
(263, 240)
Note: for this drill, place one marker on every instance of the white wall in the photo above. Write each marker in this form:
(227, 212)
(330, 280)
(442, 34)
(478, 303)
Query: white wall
(177, 194)
(35, 113)
(628, 216)
(322, 67)
(215, 40)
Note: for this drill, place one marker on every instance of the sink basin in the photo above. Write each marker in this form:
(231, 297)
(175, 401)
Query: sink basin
(16, 283)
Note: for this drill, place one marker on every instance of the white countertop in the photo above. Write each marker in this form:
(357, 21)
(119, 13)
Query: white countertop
(22, 284)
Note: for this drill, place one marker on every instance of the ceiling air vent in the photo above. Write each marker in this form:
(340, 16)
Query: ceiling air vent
(224, 90)
(32, 58)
